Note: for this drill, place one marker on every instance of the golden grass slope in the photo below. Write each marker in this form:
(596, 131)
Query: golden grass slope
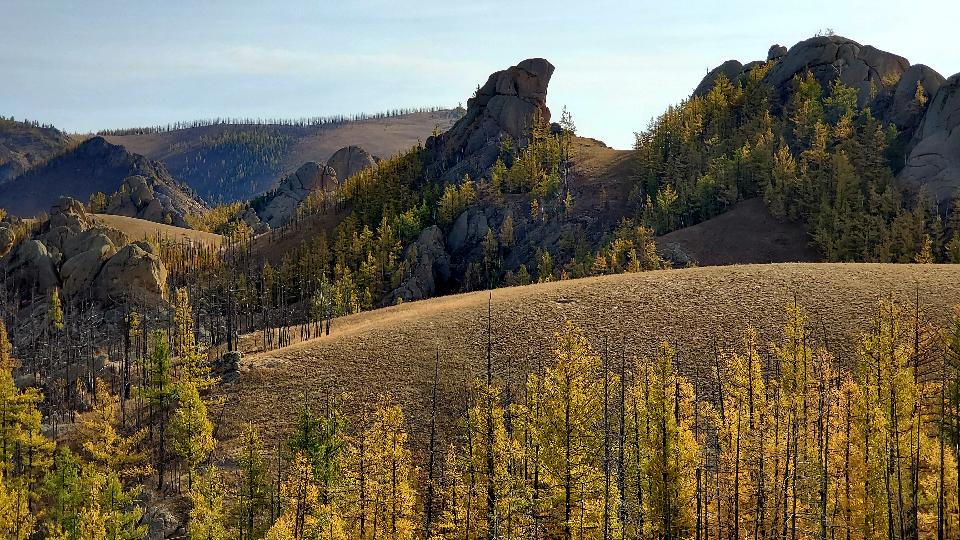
(392, 351)
(139, 229)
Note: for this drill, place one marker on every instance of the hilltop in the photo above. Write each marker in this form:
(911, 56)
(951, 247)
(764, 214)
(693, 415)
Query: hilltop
(26, 144)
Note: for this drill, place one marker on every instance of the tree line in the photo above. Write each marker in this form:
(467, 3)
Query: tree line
(307, 121)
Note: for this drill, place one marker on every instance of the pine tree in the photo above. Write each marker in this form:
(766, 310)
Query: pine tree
(191, 432)
(252, 496)
(207, 516)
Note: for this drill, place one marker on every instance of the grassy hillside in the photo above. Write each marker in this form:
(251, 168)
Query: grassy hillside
(237, 161)
(137, 229)
(747, 233)
(392, 350)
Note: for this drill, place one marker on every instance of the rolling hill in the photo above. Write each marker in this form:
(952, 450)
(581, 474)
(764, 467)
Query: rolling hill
(392, 350)
(139, 229)
(26, 144)
(232, 162)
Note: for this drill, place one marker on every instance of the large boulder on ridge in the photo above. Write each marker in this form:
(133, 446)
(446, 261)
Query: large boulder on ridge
(730, 69)
(135, 273)
(934, 162)
(504, 106)
(350, 160)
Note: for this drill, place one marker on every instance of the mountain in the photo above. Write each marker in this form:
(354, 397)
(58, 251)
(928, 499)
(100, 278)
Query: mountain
(26, 144)
(136, 186)
(233, 162)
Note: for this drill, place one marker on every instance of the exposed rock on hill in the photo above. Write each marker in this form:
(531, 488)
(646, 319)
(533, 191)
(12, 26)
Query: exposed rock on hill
(24, 145)
(871, 71)
(350, 160)
(430, 268)
(731, 69)
(162, 202)
(934, 161)
(93, 166)
(905, 110)
(134, 273)
(280, 205)
(504, 105)
(776, 52)
(71, 250)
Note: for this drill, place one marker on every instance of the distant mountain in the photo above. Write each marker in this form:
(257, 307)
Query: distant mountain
(25, 144)
(225, 162)
(98, 166)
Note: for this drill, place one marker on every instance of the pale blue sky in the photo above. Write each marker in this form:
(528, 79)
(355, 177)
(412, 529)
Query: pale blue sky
(97, 64)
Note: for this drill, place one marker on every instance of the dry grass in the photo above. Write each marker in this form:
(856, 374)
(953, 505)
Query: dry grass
(139, 229)
(747, 233)
(392, 350)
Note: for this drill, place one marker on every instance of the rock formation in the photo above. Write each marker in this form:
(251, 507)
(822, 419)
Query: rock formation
(731, 69)
(350, 160)
(134, 273)
(871, 71)
(934, 161)
(279, 206)
(504, 105)
(145, 198)
(430, 268)
(72, 251)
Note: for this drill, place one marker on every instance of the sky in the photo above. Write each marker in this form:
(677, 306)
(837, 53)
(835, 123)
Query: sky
(90, 65)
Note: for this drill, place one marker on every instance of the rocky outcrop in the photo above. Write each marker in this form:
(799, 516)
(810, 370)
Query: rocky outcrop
(430, 267)
(145, 198)
(905, 109)
(280, 205)
(934, 162)
(468, 230)
(73, 252)
(8, 237)
(98, 166)
(350, 160)
(730, 69)
(874, 73)
(776, 52)
(135, 273)
(504, 105)
(31, 267)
